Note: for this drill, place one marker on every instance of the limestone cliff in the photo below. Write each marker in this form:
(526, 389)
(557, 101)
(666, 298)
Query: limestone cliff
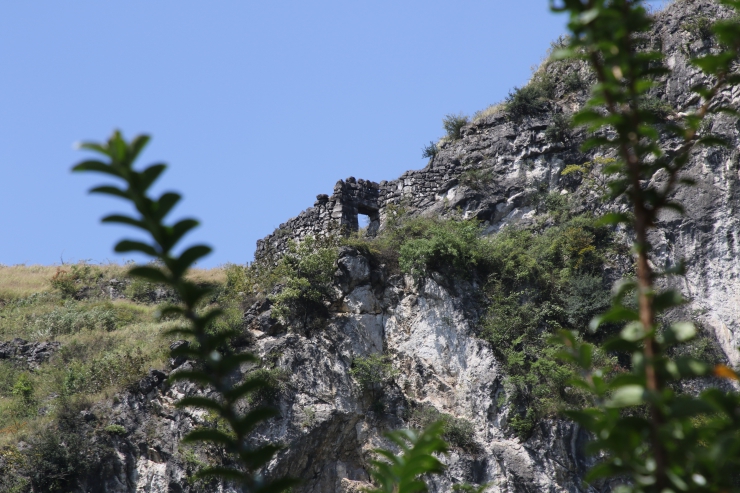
(328, 424)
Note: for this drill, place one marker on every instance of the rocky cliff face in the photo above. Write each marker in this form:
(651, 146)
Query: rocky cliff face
(329, 425)
(428, 328)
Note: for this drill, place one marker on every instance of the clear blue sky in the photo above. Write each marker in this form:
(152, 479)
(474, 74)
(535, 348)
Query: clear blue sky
(256, 106)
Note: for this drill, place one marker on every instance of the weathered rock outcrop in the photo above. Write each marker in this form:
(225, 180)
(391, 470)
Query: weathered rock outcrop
(329, 426)
(518, 160)
(27, 354)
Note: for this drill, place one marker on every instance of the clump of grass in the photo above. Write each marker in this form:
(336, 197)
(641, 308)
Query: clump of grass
(430, 151)
(574, 82)
(372, 372)
(699, 27)
(489, 111)
(276, 380)
(115, 429)
(559, 129)
(453, 124)
(74, 317)
(476, 179)
(532, 99)
(660, 109)
(458, 432)
(214, 276)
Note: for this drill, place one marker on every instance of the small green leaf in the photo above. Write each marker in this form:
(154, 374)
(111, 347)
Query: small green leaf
(629, 395)
(191, 255)
(150, 175)
(585, 355)
(633, 332)
(180, 229)
(92, 146)
(166, 202)
(137, 145)
(96, 166)
(201, 402)
(667, 299)
(110, 190)
(713, 140)
(613, 218)
(208, 435)
(589, 16)
(125, 246)
(682, 331)
(149, 273)
(616, 313)
(117, 218)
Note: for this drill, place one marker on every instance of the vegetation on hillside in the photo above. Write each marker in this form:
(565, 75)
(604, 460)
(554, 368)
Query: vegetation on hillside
(621, 383)
(106, 345)
(648, 437)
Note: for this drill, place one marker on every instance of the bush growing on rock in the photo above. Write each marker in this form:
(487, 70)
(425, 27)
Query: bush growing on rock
(533, 279)
(432, 244)
(477, 178)
(574, 82)
(372, 373)
(559, 129)
(458, 432)
(453, 125)
(59, 458)
(699, 27)
(75, 280)
(307, 271)
(430, 151)
(273, 382)
(531, 99)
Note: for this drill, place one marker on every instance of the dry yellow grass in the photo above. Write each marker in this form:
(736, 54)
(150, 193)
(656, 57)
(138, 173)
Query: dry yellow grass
(491, 110)
(210, 276)
(137, 340)
(19, 281)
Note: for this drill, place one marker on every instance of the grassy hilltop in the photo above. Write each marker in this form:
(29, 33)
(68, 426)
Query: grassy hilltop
(106, 324)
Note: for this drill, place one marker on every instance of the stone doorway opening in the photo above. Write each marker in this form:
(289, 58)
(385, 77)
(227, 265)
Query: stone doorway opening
(363, 220)
(369, 220)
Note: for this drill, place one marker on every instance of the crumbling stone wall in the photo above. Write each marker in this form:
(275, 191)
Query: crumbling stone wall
(514, 155)
(335, 214)
(338, 213)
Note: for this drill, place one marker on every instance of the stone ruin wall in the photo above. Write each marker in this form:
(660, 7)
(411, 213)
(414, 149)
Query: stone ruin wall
(338, 213)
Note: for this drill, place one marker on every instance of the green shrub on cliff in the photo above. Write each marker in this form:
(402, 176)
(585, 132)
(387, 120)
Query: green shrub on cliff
(372, 373)
(307, 274)
(458, 432)
(649, 438)
(435, 244)
(539, 283)
(531, 99)
(453, 125)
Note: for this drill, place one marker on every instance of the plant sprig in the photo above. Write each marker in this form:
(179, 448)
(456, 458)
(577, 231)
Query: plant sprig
(216, 363)
(644, 430)
(401, 473)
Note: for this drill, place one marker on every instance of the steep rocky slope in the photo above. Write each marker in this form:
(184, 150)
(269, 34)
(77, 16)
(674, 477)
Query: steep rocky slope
(497, 172)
